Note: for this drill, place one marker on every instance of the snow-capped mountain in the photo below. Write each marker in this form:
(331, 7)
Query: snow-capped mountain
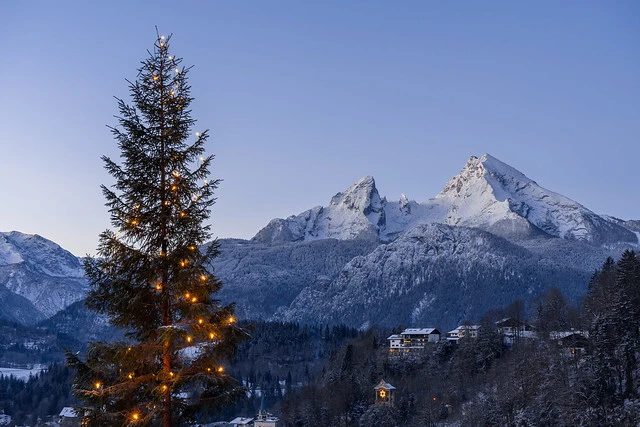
(357, 212)
(490, 236)
(39, 273)
(492, 195)
(486, 194)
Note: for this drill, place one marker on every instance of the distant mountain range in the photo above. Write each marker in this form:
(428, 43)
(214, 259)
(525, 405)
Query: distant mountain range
(490, 236)
(37, 278)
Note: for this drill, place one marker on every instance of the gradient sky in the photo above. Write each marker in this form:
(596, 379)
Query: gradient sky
(304, 98)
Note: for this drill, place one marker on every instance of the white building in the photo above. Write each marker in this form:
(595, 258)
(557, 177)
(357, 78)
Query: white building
(412, 339)
(463, 331)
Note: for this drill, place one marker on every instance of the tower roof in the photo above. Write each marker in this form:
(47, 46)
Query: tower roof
(384, 385)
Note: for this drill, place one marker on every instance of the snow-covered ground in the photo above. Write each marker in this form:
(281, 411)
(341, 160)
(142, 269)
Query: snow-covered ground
(22, 374)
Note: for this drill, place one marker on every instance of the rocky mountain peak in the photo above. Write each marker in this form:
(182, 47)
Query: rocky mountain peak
(362, 196)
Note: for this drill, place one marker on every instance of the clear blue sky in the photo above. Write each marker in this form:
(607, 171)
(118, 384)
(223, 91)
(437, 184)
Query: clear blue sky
(304, 98)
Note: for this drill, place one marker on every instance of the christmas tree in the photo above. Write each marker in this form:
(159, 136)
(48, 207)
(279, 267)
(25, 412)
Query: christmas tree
(152, 276)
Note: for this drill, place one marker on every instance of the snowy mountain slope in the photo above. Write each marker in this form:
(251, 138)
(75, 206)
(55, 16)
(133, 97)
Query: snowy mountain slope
(492, 195)
(486, 194)
(355, 213)
(41, 272)
(16, 308)
(82, 324)
(434, 275)
(263, 278)
(362, 251)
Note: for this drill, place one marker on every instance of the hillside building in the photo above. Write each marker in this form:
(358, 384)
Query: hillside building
(264, 418)
(412, 339)
(463, 331)
(385, 393)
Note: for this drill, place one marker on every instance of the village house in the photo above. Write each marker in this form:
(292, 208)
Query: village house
(512, 329)
(241, 422)
(412, 339)
(68, 417)
(463, 331)
(572, 343)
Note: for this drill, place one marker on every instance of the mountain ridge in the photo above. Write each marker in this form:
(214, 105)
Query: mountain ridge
(486, 194)
(334, 263)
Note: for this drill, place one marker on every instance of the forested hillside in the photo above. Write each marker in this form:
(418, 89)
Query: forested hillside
(535, 381)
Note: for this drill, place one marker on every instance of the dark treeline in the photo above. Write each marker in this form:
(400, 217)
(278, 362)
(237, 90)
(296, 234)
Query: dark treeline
(281, 358)
(484, 382)
(42, 395)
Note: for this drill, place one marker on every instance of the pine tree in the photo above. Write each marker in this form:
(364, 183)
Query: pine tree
(152, 276)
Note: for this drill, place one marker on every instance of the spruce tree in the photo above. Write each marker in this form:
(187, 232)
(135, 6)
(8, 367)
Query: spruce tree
(152, 276)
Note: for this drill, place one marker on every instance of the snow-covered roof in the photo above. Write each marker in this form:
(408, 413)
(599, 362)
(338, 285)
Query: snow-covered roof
(556, 335)
(420, 331)
(68, 412)
(240, 421)
(464, 328)
(395, 337)
(385, 385)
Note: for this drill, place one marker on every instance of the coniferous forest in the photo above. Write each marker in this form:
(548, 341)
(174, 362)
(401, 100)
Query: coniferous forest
(317, 375)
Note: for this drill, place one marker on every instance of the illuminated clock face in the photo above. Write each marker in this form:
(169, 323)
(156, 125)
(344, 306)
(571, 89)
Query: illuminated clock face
(382, 394)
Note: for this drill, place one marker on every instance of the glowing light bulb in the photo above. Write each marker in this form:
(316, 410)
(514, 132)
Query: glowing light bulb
(164, 388)
(187, 295)
(203, 277)
(177, 71)
(194, 299)
(220, 369)
(182, 214)
(135, 416)
(231, 319)
(202, 159)
(193, 248)
(212, 335)
(161, 37)
(208, 369)
(155, 77)
(159, 286)
(174, 187)
(130, 376)
(188, 339)
(129, 349)
(201, 321)
(98, 385)
(171, 58)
